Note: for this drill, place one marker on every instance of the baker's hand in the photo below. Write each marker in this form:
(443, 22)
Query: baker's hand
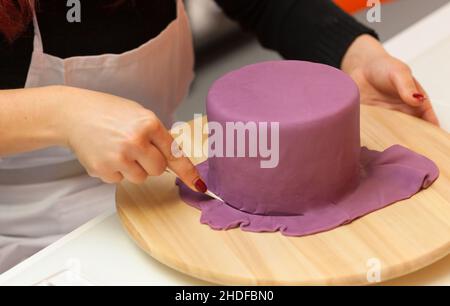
(115, 138)
(384, 80)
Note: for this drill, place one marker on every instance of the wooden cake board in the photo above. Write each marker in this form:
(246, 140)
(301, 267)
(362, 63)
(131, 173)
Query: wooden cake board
(385, 244)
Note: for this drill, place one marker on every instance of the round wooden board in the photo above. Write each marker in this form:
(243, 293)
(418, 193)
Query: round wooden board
(399, 239)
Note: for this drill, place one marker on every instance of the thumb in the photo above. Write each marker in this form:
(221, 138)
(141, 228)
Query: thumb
(406, 87)
(177, 163)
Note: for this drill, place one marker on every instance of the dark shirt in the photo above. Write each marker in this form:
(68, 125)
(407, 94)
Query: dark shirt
(314, 30)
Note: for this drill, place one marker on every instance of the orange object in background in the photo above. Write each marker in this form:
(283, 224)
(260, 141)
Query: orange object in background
(352, 6)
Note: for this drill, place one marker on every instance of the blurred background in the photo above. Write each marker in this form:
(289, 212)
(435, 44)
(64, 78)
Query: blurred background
(221, 46)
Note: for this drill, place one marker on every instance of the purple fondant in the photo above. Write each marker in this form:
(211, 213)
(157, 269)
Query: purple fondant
(317, 107)
(324, 178)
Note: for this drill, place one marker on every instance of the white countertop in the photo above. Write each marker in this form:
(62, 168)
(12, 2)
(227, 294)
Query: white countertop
(100, 252)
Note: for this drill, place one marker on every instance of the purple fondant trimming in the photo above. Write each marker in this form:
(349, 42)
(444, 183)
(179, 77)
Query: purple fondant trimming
(324, 178)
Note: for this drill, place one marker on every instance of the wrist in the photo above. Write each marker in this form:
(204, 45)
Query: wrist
(60, 121)
(361, 52)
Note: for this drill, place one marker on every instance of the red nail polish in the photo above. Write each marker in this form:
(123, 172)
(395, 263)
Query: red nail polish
(419, 96)
(200, 185)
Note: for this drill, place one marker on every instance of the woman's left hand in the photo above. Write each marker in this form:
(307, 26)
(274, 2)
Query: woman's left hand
(384, 80)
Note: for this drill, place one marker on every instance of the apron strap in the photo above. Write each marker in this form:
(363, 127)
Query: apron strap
(37, 41)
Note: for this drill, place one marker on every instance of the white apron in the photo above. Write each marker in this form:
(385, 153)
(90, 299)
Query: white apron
(34, 214)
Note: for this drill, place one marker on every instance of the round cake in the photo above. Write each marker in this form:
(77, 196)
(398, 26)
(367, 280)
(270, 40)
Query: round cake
(317, 108)
(285, 155)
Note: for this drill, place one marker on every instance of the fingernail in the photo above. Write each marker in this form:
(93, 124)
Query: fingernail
(200, 185)
(419, 96)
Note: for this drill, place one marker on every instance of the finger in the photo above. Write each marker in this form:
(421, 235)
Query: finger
(427, 112)
(112, 178)
(151, 160)
(133, 172)
(181, 165)
(406, 87)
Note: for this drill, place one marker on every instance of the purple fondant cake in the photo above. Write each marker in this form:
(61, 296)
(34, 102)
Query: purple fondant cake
(318, 110)
(323, 178)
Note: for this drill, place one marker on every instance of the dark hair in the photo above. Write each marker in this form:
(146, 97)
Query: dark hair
(15, 15)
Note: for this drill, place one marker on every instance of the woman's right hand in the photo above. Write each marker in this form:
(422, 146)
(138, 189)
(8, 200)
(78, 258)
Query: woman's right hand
(115, 138)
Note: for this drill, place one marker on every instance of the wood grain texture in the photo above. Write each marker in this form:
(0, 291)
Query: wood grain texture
(403, 237)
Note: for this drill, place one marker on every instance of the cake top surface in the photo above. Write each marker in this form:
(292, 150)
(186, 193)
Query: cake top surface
(282, 91)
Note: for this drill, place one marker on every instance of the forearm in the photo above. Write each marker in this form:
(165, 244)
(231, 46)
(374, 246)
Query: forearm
(31, 119)
(316, 30)
(364, 49)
